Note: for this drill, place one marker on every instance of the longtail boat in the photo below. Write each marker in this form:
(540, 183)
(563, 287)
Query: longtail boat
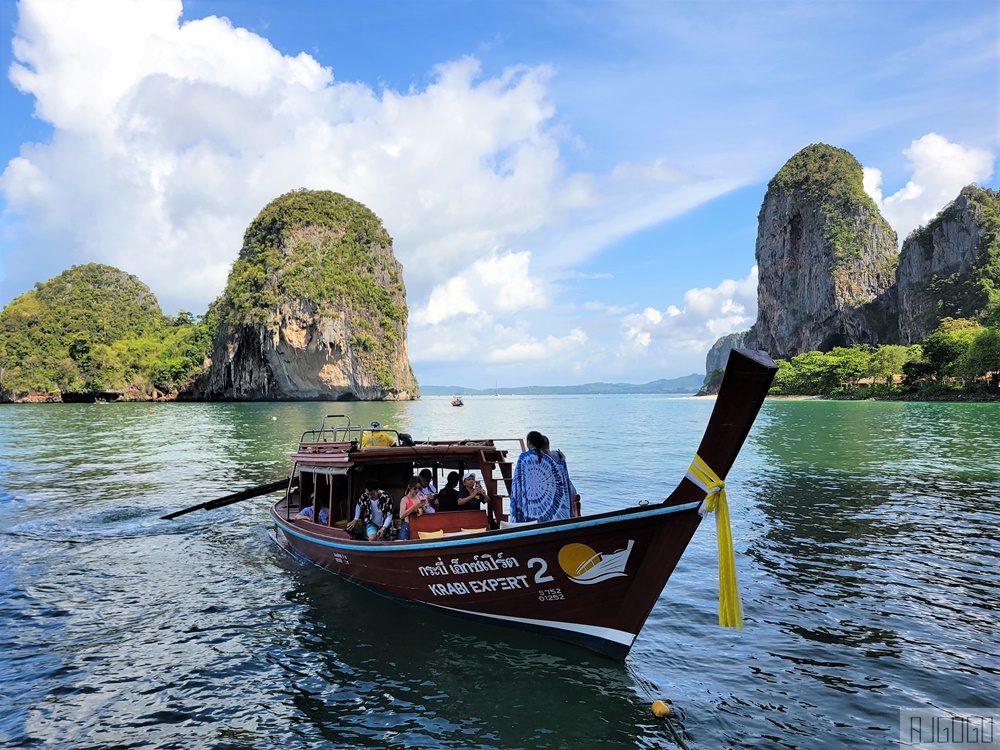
(590, 580)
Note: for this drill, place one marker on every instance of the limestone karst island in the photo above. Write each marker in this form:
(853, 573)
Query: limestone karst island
(844, 313)
(315, 306)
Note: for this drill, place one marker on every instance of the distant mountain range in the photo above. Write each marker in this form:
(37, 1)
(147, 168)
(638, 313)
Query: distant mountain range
(687, 384)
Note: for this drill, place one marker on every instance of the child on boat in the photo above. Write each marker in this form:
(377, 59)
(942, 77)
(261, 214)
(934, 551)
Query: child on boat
(309, 510)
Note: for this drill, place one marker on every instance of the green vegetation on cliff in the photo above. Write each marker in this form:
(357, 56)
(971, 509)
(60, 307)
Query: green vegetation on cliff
(327, 250)
(330, 263)
(96, 329)
(976, 294)
(832, 180)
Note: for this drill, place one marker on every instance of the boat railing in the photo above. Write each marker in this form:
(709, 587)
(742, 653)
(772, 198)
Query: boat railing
(518, 441)
(344, 437)
(318, 436)
(374, 435)
(328, 434)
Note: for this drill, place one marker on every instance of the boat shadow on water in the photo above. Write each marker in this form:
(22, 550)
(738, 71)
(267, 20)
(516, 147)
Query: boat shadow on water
(371, 670)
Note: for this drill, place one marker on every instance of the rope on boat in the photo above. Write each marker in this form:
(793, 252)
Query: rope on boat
(730, 606)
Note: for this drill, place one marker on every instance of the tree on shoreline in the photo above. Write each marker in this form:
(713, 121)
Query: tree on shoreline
(959, 357)
(96, 330)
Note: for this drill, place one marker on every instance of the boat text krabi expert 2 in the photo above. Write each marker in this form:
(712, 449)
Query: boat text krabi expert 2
(591, 580)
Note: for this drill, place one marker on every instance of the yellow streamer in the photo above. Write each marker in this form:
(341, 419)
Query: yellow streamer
(730, 606)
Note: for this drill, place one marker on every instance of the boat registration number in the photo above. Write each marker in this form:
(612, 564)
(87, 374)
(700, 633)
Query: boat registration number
(550, 595)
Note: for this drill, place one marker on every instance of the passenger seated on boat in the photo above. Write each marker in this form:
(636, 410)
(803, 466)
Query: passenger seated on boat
(308, 511)
(413, 503)
(540, 488)
(373, 512)
(427, 488)
(448, 497)
(472, 494)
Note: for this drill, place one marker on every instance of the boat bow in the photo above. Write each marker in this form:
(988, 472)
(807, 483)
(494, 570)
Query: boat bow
(591, 580)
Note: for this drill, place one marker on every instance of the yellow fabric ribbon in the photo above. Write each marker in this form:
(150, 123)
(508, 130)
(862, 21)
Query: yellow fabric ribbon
(730, 606)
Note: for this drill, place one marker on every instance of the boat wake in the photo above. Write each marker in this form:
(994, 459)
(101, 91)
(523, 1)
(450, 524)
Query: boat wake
(114, 523)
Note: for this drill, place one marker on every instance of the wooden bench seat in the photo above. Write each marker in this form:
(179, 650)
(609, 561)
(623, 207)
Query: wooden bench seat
(452, 522)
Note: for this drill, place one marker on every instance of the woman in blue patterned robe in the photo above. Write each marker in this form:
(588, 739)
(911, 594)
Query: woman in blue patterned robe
(540, 489)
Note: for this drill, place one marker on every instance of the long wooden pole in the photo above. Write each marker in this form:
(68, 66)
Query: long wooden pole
(236, 497)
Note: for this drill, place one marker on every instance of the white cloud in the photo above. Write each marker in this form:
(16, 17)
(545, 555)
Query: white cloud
(477, 340)
(940, 170)
(603, 307)
(644, 206)
(549, 349)
(169, 138)
(707, 314)
(497, 284)
(657, 171)
(642, 346)
(872, 183)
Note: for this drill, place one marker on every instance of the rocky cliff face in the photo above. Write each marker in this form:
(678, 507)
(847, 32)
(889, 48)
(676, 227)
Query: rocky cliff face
(829, 274)
(315, 308)
(718, 355)
(826, 258)
(947, 268)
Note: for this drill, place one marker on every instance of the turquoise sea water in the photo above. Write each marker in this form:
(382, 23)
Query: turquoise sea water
(866, 537)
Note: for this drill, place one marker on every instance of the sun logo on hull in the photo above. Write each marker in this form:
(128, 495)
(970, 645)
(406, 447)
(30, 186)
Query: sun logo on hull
(583, 565)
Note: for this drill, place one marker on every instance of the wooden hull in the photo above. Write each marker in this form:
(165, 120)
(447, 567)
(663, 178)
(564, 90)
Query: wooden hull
(590, 581)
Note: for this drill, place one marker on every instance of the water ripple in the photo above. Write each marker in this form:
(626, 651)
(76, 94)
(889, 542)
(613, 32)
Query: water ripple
(866, 536)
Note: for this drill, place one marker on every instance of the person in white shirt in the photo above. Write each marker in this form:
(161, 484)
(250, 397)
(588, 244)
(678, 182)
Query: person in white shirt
(373, 513)
(427, 490)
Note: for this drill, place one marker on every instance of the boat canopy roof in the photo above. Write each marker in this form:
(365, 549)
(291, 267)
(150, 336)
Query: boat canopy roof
(334, 449)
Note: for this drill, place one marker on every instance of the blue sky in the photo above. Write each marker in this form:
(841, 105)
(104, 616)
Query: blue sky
(572, 187)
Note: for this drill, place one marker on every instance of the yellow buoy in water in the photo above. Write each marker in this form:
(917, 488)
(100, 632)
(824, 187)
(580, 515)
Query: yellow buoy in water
(660, 709)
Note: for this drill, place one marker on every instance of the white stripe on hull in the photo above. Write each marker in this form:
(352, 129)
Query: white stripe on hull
(606, 634)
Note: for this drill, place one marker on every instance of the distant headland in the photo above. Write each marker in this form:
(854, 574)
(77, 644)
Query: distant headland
(687, 385)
